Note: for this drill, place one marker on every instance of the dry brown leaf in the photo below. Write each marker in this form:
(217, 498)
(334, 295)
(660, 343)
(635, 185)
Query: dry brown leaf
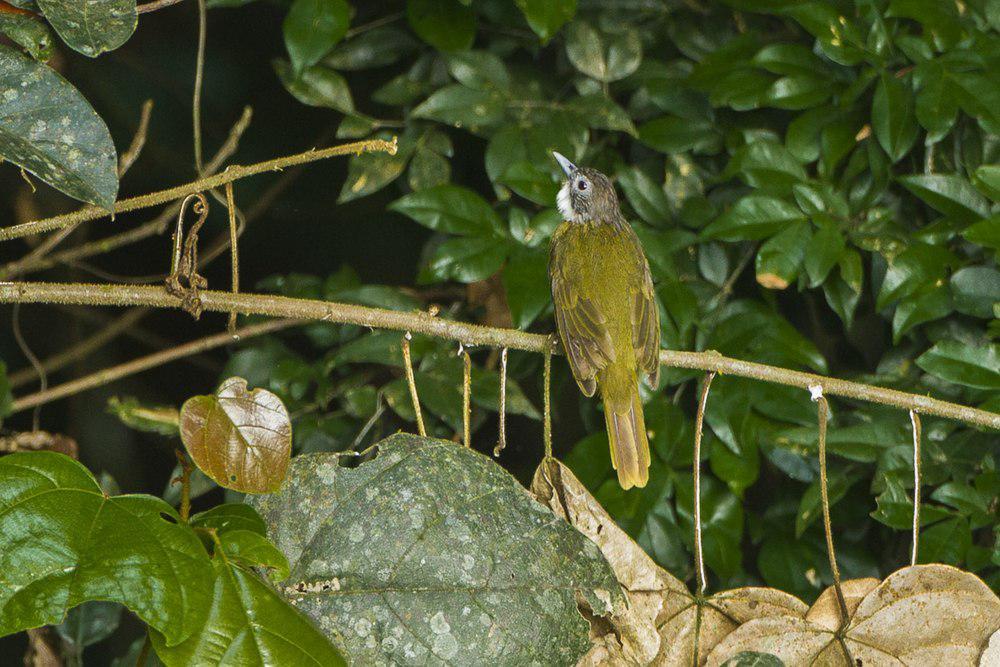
(991, 656)
(241, 439)
(920, 615)
(661, 623)
(39, 441)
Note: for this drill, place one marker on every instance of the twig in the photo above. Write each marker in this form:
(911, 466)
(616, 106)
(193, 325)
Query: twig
(412, 384)
(199, 76)
(470, 334)
(128, 158)
(502, 437)
(547, 400)
(915, 424)
(113, 373)
(824, 413)
(36, 260)
(185, 480)
(154, 6)
(234, 252)
(81, 349)
(699, 427)
(466, 397)
(234, 173)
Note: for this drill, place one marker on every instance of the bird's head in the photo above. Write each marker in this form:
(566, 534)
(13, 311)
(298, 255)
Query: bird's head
(586, 195)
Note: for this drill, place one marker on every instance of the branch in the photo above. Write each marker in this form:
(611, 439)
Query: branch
(470, 334)
(113, 373)
(154, 6)
(234, 173)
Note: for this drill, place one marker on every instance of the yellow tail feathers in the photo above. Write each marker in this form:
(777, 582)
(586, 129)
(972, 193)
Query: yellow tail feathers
(627, 435)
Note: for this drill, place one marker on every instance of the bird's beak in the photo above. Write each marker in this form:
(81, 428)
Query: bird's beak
(566, 165)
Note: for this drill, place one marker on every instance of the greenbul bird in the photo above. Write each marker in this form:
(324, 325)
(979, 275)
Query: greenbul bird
(605, 311)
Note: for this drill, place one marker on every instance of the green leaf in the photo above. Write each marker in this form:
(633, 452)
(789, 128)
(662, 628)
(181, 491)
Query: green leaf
(931, 303)
(249, 622)
(946, 542)
(88, 624)
(468, 537)
(230, 516)
(988, 177)
(671, 134)
(975, 290)
(779, 258)
(937, 103)
(467, 259)
(377, 47)
(603, 57)
(316, 86)
(526, 285)
(530, 181)
(452, 209)
(739, 471)
(151, 419)
(48, 128)
(91, 27)
(546, 16)
(63, 542)
(645, 195)
(29, 33)
(953, 196)
(313, 27)
(600, 112)
(964, 364)
(919, 266)
(823, 250)
(766, 165)
(428, 169)
(370, 172)
(462, 106)
(753, 659)
(481, 70)
(810, 507)
(893, 118)
(985, 232)
(754, 217)
(447, 25)
(722, 523)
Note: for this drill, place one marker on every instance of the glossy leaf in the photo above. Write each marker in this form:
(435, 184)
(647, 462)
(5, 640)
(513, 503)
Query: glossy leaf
(754, 217)
(64, 542)
(893, 117)
(951, 195)
(448, 25)
(91, 27)
(602, 57)
(312, 28)
(546, 16)
(49, 129)
(241, 439)
(964, 364)
(452, 209)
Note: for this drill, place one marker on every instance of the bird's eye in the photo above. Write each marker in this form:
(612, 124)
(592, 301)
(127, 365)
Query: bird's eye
(581, 185)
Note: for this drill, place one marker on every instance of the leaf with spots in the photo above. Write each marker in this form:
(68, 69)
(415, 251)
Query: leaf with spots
(919, 615)
(249, 623)
(662, 622)
(64, 542)
(430, 553)
(241, 439)
(91, 26)
(49, 129)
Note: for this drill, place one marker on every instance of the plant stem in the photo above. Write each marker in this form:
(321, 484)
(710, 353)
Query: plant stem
(824, 413)
(547, 400)
(157, 4)
(412, 384)
(199, 76)
(470, 334)
(113, 373)
(699, 426)
(915, 425)
(234, 173)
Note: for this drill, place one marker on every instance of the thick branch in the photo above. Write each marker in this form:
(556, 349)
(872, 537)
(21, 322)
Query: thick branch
(231, 174)
(469, 334)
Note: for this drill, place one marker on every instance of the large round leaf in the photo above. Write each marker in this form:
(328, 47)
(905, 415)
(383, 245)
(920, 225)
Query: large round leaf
(63, 542)
(431, 553)
(92, 26)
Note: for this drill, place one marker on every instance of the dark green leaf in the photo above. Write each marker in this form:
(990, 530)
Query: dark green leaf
(988, 178)
(64, 542)
(312, 28)
(88, 624)
(671, 134)
(317, 86)
(29, 33)
(893, 118)
(546, 16)
(478, 69)
(754, 217)
(447, 25)
(823, 250)
(526, 285)
(452, 209)
(49, 129)
(467, 260)
(373, 48)
(369, 567)
(930, 303)
(753, 659)
(461, 106)
(937, 104)
(975, 290)
(779, 258)
(605, 57)
(919, 266)
(91, 27)
(645, 195)
(946, 542)
(951, 195)
(964, 364)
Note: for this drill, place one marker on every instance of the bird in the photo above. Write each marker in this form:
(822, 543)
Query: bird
(605, 311)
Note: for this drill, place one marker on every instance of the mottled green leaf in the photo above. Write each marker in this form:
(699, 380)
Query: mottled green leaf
(29, 33)
(63, 542)
(605, 57)
(778, 259)
(48, 128)
(91, 26)
(471, 569)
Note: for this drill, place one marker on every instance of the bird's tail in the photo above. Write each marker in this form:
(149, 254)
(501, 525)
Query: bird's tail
(627, 434)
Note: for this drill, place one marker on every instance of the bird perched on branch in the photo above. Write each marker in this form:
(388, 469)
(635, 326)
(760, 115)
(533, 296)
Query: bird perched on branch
(605, 311)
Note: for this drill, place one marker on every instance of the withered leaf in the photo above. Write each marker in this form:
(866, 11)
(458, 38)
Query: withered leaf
(663, 623)
(919, 615)
(241, 439)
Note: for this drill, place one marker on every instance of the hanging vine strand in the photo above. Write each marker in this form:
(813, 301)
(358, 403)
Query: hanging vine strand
(502, 437)
(412, 384)
(424, 323)
(234, 253)
(699, 426)
(466, 396)
(547, 400)
(915, 425)
(823, 409)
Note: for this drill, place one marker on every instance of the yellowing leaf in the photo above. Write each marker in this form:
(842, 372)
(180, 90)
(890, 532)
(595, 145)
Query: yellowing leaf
(241, 439)
(663, 623)
(920, 615)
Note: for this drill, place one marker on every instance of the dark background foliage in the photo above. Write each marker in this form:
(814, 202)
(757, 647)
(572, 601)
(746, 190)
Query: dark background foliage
(815, 184)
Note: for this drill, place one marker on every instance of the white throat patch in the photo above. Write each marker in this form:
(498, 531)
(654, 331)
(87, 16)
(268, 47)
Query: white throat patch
(565, 204)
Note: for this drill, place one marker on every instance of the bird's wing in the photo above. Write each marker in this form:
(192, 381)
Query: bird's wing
(582, 327)
(645, 317)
